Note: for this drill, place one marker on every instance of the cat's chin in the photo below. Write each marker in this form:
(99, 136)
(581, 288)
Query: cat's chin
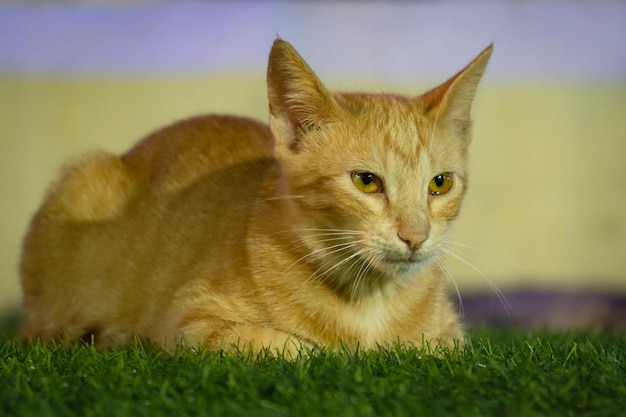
(401, 268)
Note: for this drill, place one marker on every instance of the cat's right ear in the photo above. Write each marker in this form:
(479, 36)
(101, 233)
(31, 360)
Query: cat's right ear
(298, 101)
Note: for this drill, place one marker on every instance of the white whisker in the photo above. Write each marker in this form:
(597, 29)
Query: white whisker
(344, 261)
(299, 243)
(279, 197)
(327, 250)
(320, 232)
(362, 261)
(366, 265)
(329, 231)
(450, 277)
(505, 303)
(462, 245)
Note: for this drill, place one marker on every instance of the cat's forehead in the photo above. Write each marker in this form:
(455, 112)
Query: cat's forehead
(393, 130)
(387, 109)
(367, 102)
(389, 117)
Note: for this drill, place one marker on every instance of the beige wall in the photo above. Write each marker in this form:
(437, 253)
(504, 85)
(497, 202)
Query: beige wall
(546, 207)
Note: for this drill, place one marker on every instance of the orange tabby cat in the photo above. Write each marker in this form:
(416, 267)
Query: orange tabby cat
(325, 228)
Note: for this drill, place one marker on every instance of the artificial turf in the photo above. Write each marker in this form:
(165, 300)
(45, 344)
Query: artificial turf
(497, 373)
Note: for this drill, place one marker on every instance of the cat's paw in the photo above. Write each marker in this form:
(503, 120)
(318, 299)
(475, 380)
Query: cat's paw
(264, 340)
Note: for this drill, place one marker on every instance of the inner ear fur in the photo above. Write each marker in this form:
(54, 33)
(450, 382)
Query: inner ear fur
(451, 102)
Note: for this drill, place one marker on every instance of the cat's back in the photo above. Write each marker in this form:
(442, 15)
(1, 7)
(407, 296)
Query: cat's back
(108, 217)
(177, 155)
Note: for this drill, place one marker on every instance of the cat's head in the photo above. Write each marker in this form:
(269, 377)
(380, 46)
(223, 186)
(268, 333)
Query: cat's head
(378, 177)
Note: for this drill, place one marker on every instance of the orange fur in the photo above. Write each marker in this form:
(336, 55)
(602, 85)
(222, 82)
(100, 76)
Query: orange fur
(219, 230)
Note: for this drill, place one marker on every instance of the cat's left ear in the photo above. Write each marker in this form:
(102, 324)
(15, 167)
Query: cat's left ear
(298, 101)
(451, 102)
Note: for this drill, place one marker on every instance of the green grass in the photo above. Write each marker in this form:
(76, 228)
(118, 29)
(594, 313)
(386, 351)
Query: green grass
(498, 373)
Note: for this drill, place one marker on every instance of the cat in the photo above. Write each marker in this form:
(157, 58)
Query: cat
(325, 228)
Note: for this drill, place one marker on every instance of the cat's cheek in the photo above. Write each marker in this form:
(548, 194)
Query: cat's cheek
(434, 243)
(368, 214)
(446, 207)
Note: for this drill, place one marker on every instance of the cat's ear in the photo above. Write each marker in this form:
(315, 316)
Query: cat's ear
(451, 102)
(298, 101)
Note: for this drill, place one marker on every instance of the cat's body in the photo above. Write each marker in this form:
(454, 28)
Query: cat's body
(218, 230)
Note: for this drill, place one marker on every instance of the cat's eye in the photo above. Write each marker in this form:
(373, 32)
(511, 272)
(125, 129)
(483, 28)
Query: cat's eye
(367, 182)
(441, 184)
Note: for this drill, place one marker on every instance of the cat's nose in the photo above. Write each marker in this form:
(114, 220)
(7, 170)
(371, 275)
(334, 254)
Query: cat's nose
(414, 240)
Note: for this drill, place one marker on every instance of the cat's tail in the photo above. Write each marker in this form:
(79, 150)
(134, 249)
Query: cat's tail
(95, 187)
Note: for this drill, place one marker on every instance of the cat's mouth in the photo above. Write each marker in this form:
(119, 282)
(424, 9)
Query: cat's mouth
(403, 258)
(401, 261)
(402, 264)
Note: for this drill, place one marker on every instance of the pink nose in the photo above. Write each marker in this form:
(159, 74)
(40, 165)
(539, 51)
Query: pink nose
(413, 241)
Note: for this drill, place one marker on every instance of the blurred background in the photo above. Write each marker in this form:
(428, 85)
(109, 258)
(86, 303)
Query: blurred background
(545, 217)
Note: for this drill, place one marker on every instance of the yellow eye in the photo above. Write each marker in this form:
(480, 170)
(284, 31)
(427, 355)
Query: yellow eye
(441, 183)
(367, 182)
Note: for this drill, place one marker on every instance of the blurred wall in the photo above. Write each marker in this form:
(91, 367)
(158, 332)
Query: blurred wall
(547, 199)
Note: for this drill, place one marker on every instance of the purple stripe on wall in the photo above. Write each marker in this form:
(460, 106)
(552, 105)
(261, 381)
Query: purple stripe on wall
(545, 40)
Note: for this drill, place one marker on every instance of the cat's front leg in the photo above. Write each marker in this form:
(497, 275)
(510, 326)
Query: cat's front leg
(216, 334)
(257, 338)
